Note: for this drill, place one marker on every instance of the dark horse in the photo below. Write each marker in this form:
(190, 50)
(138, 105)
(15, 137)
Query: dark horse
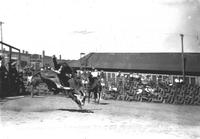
(50, 78)
(58, 81)
(94, 86)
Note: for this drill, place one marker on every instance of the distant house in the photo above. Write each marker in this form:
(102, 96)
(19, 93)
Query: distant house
(40, 61)
(155, 64)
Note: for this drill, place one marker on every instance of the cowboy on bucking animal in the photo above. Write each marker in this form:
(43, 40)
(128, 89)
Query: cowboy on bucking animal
(64, 71)
(68, 79)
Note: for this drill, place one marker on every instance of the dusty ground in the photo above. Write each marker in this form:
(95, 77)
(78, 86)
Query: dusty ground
(59, 117)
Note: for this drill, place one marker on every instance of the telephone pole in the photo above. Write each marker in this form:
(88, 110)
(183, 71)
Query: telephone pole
(81, 61)
(182, 57)
(1, 36)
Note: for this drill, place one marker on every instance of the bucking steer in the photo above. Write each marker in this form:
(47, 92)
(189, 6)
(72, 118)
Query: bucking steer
(75, 90)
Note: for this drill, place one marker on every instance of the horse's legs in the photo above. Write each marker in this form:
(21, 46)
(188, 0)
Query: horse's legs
(83, 95)
(95, 96)
(89, 92)
(99, 95)
(74, 98)
(32, 94)
(32, 90)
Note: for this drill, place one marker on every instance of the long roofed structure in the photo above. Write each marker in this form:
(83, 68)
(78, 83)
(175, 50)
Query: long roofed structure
(166, 63)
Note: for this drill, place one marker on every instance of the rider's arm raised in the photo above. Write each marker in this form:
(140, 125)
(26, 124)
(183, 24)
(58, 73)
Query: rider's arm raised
(57, 71)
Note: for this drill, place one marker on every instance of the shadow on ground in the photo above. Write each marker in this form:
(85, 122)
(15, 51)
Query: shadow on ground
(76, 110)
(103, 103)
(3, 100)
(100, 103)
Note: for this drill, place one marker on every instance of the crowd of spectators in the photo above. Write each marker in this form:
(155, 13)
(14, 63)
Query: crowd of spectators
(140, 87)
(11, 80)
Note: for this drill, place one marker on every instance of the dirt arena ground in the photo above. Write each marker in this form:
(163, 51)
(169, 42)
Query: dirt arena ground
(59, 117)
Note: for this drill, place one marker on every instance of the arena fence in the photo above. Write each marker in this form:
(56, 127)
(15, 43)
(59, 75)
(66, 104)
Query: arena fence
(150, 91)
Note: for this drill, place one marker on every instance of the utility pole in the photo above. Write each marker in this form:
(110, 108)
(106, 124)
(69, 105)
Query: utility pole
(182, 57)
(81, 61)
(1, 36)
(43, 55)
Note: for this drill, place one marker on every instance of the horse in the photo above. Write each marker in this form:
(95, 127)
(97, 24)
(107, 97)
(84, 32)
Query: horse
(94, 85)
(51, 79)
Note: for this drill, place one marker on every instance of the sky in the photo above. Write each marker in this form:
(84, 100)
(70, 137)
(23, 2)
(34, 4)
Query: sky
(71, 27)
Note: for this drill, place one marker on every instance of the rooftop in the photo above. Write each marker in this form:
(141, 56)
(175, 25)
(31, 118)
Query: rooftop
(170, 63)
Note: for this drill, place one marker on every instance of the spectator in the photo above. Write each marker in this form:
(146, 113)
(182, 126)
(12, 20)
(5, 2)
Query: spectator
(3, 78)
(14, 79)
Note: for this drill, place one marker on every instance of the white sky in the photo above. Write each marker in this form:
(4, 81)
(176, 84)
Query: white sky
(69, 27)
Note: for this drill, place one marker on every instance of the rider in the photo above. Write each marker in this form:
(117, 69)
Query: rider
(93, 76)
(95, 73)
(65, 72)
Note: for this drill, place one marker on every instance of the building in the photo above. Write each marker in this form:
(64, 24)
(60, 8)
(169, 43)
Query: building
(159, 66)
(39, 61)
(36, 60)
(25, 57)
